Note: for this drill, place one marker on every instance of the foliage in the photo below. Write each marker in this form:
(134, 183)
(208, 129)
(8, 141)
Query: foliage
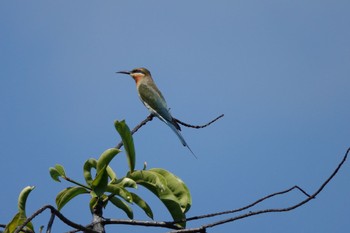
(105, 187)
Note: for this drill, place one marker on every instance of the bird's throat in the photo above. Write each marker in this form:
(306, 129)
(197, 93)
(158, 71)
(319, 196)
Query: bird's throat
(137, 77)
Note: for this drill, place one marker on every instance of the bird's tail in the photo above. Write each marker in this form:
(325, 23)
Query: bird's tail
(175, 129)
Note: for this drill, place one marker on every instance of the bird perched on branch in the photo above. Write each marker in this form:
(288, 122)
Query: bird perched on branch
(153, 99)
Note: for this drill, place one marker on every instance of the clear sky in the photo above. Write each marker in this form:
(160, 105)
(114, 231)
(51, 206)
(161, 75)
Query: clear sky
(278, 70)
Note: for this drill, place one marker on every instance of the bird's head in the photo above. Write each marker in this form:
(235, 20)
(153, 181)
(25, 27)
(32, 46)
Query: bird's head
(137, 74)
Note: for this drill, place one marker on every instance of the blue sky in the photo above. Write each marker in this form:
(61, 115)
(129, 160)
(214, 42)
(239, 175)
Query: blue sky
(278, 70)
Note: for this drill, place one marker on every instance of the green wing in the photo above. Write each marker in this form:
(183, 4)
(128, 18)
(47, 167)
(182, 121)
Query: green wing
(153, 98)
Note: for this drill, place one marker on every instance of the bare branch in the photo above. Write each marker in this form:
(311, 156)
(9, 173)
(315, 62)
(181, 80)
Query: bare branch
(169, 225)
(247, 206)
(198, 126)
(249, 214)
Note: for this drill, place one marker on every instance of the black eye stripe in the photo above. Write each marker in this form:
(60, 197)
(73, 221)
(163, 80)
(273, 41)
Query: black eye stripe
(138, 71)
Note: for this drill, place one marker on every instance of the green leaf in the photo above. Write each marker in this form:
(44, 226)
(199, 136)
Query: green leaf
(157, 184)
(174, 209)
(54, 174)
(151, 180)
(99, 184)
(93, 203)
(142, 204)
(106, 158)
(60, 170)
(68, 194)
(123, 206)
(88, 165)
(177, 187)
(16, 221)
(92, 163)
(111, 173)
(128, 142)
(125, 182)
(120, 191)
(22, 199)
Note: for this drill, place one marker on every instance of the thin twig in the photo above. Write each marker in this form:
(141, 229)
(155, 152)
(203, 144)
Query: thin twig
(137, 127)
(49, 225)
(198, 126)
(77, 183)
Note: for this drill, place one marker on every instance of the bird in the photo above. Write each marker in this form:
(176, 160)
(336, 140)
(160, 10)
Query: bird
(154, 100)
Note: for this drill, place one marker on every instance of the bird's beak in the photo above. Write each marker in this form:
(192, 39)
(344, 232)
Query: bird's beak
(123, 72)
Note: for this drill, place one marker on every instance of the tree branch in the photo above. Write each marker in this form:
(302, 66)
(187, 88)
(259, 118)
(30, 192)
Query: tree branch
(59, 215)
(169, 225)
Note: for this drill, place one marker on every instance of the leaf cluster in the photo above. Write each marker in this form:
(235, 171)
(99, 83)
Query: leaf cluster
(104, 187)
